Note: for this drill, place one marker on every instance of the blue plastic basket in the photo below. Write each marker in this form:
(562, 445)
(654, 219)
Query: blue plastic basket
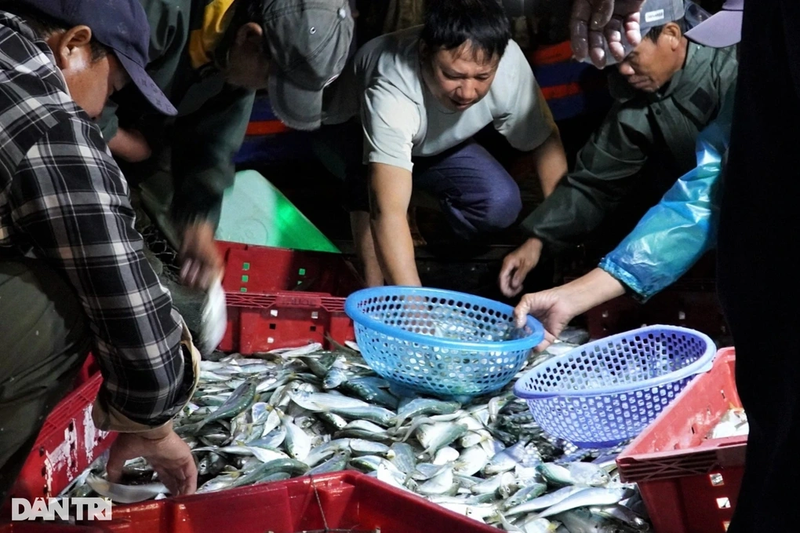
(609, 390)
(445, 343)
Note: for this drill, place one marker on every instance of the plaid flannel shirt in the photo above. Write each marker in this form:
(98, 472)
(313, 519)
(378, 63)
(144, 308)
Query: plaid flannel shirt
(64, 200)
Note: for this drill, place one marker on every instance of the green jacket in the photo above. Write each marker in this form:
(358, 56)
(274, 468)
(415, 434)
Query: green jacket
(212, 116)
(640, 128)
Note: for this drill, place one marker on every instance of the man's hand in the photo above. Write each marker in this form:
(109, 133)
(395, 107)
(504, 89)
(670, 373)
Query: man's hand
(553, 308)
(516, 266)
(164, 450)
(597, 22)
(200, 261)
(129, 145)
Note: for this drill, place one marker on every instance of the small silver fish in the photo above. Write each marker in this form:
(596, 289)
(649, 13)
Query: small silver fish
(125, 493)
(586, 498)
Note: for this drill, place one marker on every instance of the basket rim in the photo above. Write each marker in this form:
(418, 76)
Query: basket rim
(701, 365)
(526, 343)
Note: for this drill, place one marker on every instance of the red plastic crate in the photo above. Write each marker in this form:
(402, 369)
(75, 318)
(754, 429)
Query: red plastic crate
(67, 444)
(349, 501)
(279, 297)
(689, 483)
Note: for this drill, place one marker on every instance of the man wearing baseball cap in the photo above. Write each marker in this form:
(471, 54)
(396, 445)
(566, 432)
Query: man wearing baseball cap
(210, 56)
(666, 91)
(73, 277)
(673, 234)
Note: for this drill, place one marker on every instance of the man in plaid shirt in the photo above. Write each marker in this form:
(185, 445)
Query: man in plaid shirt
(72, 273)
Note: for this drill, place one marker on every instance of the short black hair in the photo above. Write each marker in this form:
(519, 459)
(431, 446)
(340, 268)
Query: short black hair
(655, 32)
(451, 23)
(45, 25)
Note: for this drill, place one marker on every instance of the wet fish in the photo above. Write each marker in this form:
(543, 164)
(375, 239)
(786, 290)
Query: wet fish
(586, 498)
(125, 493)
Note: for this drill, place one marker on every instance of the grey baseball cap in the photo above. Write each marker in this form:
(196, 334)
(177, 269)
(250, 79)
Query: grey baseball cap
(659, 12)
(309, 42)
(722, 29)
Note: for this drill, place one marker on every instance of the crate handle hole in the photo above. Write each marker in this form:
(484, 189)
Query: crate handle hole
(726, 524)
(716, 480)
(313, 328)
(273, 312)
(724, 503)
(301, 272)
(273, 325)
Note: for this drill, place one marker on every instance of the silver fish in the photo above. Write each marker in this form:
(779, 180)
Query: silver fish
(524, 495)
(441, 483)
(546, 501)
(584, 521)
(366, 447)
(445, 455)
(327, 450)
(404, 457)
(471, 460)
(263, 471)
(298, 442)
(438, 435)
(334, 464)
(424, 407)
(125, 493)
(585, 498)
(493, 485)
(622, 514)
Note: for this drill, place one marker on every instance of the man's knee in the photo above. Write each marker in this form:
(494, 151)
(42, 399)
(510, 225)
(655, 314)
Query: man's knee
(503, 206)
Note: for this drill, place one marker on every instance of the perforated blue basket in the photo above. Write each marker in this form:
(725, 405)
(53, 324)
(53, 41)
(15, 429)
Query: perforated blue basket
(609, 390)
(445, 343)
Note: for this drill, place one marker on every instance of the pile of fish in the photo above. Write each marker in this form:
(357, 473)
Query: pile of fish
(308, 411)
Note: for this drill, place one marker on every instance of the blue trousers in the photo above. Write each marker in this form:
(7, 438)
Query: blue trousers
(475, 193)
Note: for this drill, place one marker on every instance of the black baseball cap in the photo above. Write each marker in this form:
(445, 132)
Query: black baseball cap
(120, 25)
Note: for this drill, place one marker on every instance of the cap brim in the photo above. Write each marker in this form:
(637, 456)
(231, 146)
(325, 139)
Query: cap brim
(297, 107)
(718, 31)
(146, 86)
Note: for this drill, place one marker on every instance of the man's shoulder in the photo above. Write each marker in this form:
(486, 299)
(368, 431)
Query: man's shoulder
(391, 61)
(718, 57)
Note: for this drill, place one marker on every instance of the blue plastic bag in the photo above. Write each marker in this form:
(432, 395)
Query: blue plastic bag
(676, 232)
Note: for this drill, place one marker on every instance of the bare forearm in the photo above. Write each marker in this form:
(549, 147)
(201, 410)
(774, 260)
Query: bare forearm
(395, 249)
(591, 290)
(129, 145)
(550, 162)
(365, 248)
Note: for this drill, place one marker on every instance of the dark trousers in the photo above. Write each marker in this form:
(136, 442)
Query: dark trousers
(475, 193)
(757, 272)
(44, 343)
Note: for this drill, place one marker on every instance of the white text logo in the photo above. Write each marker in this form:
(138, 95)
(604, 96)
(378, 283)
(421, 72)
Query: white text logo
(52, 508)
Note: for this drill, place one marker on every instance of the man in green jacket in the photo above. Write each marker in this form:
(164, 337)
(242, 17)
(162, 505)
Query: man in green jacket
(666, 91)
(209, 57)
